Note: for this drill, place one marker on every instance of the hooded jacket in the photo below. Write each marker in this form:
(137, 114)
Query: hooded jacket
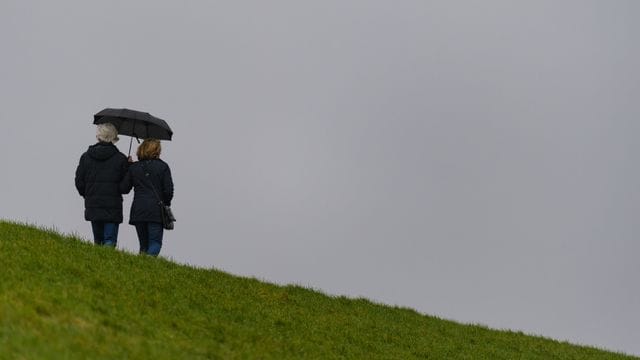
(98, 176)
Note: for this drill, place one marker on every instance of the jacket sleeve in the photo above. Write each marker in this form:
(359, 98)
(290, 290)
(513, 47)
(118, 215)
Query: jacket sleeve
(80, 175)
(124, 168)
(126, 183)
(167, 187)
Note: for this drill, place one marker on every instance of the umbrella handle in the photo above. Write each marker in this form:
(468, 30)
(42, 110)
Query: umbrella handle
(131, 142)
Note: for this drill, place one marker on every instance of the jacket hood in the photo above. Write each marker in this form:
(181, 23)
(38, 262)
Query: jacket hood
(102, 151)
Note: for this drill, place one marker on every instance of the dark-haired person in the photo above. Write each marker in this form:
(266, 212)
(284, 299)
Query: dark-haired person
(151, 181)
(100, 171)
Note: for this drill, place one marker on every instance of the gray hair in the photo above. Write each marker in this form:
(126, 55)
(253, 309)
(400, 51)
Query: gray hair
(107, 132)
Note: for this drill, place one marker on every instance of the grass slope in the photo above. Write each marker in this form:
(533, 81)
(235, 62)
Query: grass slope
(62, 298)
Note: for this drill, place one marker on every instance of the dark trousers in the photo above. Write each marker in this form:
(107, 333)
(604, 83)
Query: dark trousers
(150, 237)
(105, 233)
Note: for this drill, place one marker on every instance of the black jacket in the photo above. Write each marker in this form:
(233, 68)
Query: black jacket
(98, 177)
(145, 206)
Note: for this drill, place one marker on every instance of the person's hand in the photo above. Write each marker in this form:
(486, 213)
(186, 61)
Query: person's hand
(130, 159)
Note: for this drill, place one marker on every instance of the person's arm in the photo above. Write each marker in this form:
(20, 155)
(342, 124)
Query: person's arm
(167, 187)
(126, 183)
(80, 174)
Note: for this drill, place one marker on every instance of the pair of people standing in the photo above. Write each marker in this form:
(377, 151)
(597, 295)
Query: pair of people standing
(104, 174)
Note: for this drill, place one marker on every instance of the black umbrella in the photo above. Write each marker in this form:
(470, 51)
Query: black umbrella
(134, 123)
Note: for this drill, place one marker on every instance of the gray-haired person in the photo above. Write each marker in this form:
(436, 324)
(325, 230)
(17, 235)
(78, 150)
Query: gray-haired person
(98, 176)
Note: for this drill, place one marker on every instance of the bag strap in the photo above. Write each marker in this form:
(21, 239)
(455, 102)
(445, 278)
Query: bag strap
(153, 188)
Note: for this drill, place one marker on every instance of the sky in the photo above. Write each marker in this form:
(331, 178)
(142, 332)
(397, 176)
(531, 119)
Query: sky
(474, 160)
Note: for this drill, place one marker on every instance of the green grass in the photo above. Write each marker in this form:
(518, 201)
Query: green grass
(63, 298)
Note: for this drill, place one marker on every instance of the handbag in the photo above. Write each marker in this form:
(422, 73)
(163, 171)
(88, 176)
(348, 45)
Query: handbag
(168, 219)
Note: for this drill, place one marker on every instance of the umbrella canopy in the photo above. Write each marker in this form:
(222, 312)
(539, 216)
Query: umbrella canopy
(135, 123)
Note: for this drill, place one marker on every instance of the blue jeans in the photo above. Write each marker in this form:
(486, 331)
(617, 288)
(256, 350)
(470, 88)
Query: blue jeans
(105, 233)
(150, 237)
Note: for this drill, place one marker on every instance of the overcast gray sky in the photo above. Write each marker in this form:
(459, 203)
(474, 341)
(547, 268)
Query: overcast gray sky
(475, 160)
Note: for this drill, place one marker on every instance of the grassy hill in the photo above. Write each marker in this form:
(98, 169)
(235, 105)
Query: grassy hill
(62, 298)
